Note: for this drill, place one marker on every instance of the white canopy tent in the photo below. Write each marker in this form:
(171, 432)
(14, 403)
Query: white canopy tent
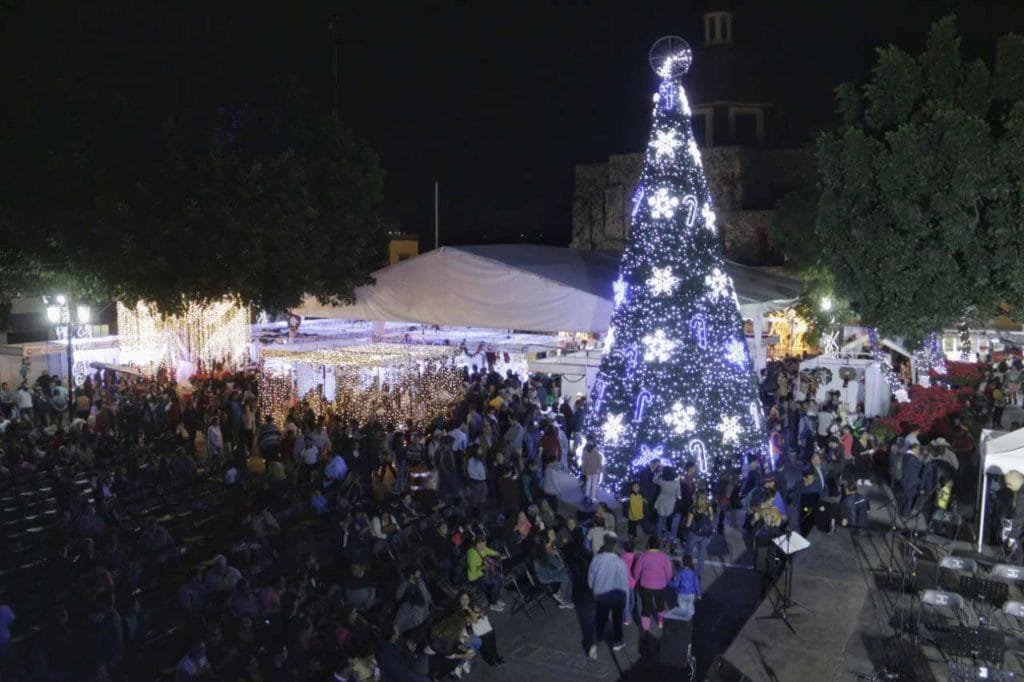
(521, 286)
(1000, 453)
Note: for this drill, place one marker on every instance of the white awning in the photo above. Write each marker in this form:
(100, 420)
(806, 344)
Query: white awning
(520, 286)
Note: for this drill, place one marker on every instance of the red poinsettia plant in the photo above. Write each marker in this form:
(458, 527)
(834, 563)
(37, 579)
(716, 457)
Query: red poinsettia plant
(929, 409)
(960, 374)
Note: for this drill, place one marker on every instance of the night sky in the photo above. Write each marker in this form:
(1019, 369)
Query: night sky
(499, 100)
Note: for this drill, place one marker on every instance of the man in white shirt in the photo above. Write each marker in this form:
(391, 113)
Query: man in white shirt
(460, 438)
(309, 454)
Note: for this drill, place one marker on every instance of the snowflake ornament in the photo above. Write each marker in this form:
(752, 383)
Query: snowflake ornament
(682, 419)
(665, 143)
(736, 352)
(663, 204)
(709, 217)
(718, 282)
(730, 429)
(694, 152)
(662, 281)
(619, 289)
(658, 347)
(613, 428)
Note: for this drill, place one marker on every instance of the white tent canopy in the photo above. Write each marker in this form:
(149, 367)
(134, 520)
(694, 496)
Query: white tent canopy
(1000, 453)
(520, 286)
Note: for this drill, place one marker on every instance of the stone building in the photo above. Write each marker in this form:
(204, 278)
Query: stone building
(754, 147)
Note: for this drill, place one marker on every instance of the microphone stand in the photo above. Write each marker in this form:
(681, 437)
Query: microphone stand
(910, 577)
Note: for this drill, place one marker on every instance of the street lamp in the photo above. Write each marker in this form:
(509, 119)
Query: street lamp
(58, 312)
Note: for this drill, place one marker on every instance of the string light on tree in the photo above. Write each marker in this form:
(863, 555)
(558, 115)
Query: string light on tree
(719, 283)
(730, 429)
(658, 347)
(609, 339)
(683, 420)
(663, 204)
(736, 352)
(709, 217)
(619, 289)
(613, 428)
(647, 455)
(662, 281)
(665, 144)
(694, 151)
(679, 362)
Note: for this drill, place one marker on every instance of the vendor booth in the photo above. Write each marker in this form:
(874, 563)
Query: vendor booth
(858, 380)
(1001, 452)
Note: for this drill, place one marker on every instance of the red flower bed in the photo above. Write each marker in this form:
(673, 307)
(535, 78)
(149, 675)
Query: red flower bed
(929, 409)
(961, 373)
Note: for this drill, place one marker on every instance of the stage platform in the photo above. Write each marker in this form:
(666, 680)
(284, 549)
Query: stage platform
(851, 624)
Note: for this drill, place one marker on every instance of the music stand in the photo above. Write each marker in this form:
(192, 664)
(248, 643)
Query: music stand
(976, 644)
(789, 544)
(991, 593)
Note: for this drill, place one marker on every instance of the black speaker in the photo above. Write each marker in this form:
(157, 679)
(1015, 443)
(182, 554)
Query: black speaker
(722, 670)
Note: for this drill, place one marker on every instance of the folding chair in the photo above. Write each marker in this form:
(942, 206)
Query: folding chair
(1014, 612)
(950, 570)
(941, 612)
(527, 597)
(1008, 572)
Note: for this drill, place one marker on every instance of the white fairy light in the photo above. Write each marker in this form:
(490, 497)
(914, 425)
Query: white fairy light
(665, 144)
(709, 217)
(694, 153)
(613, 428)
(619, 289)
(730, 429)
(663, 204)
(658, 347)
(682, 419)
(736, 352)
(718, 282)
(662, 281)
(609, 339)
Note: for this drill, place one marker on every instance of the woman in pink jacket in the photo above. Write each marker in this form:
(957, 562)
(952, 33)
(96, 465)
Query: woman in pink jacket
(652, 571)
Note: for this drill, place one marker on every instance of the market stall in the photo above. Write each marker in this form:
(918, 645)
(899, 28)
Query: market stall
(1001, 453)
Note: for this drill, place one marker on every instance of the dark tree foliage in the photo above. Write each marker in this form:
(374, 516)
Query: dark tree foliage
(155, 157)
(920, 217)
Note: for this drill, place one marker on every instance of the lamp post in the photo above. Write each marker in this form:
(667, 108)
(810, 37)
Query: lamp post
(59, 313)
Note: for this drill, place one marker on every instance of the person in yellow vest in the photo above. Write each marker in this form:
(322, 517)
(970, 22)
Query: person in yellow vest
(637, 508)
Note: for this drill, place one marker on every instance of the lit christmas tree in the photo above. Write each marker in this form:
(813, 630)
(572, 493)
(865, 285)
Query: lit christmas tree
(676, 380)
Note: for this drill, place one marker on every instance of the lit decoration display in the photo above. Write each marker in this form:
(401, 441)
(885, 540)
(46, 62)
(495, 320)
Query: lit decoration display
(619, 291)
(678, 381)
(199, 338)
(662, 281)
(896, 385)
(393, 383)
(791, 330)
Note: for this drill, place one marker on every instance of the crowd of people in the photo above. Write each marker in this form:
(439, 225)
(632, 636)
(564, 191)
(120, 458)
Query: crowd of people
(155, 519)
(315, 547)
